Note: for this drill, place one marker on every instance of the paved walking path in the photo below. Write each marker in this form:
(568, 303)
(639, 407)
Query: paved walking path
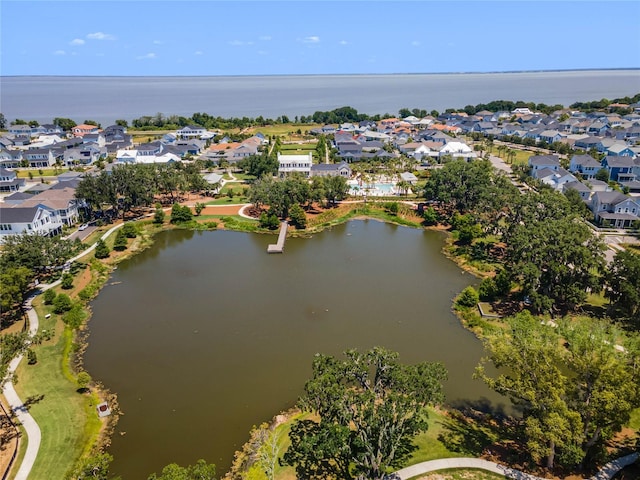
(29, 424)
(605, 473)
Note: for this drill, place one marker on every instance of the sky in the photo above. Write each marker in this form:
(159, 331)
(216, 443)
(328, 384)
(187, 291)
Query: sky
(170, 37)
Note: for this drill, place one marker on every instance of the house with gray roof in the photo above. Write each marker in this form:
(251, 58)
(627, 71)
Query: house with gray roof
(539, 162)
(37, 219)
(9, 181)
(10, 158)
(583, 190)
(621, 169)
(615, 209)
(585, 165)
(341, 169)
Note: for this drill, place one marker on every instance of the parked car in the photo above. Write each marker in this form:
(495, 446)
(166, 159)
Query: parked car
(83, 226)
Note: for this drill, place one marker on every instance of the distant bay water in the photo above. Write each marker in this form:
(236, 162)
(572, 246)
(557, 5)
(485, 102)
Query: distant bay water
(106, 99)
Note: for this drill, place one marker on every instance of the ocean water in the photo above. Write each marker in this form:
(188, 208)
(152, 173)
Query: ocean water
(106, 99)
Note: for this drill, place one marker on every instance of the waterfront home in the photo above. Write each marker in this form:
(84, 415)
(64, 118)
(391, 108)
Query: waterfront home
(62, 200)
(191, 131)
(294, 163)
(84, 129)
(615, 209)
(331, 170)
(36, 219)
(22, 131)
(585, 165)
(9, 181)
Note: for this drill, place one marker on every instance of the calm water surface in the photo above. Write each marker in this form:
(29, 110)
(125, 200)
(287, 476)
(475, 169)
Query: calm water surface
(106, 99)
(205, 334)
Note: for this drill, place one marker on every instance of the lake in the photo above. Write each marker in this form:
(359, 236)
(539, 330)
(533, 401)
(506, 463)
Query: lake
(106, 99)
(204, 334)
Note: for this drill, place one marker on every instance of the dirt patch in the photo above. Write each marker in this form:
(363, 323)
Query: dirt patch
(220, 210)
(8, 440)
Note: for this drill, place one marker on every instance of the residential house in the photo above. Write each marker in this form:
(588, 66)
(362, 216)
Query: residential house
(457, 149)
(583, 190)
(40, 157)
(191, 131)
(62, 200)
(22, 131)
(556, 179)
(84, 155)
(10, 158)
(539, 162)
(331, 170)
(585, 165)
(621, 169)
(38, 219)
(84, 129)
(9, 181)
(294, 163)
(615, 209)
(620, 149)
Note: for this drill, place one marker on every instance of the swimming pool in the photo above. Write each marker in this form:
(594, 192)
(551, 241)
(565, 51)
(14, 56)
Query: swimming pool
(373, 189)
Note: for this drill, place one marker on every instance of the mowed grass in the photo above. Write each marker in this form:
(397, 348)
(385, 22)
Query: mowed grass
(66, 418)
(46, 172)
(459, 474)
(286, 129)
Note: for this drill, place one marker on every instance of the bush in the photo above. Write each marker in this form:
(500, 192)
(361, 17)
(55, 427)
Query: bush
(180, 214)
(129, 230)
(198, 208)
(391, 207)
(120, 242)
(32, 358)
(468, 297)
(269, 221)
(62, 303)
(67, 281)
(74, 317)
(49, 296)
(503, 283)
(102, 251)
(83, 380)
(158, 217)
(430, 216)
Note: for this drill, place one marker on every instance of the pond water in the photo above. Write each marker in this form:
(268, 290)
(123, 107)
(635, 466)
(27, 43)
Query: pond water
(204, 334)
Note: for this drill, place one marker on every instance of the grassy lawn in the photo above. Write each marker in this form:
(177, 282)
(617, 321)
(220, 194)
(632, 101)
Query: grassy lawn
(521, 158)
(46, 172)
(245, 177)
(283, 129)
(459, 474)
(300, 147)
(66, 418)
(224, 200)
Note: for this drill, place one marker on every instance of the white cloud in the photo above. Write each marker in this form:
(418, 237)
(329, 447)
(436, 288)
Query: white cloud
(344, 42)
(59, 52)
(239, 43)
(311, 39)
(415, 43)
(197, 52)
(77, 41)
(148, 56)
(265, 38)
(158, 42)
(262, 52)
(100, 36)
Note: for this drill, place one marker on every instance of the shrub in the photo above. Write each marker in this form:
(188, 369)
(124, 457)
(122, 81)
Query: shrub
(75, 316)
(120, 242)
(102, 251)
(180, 214)
(67, 281)
(199, 207)
(48, 296)
(468, 297)
(430, 216)
(62, 303)
(83, 380)
(391, 207)
(32, 358)
(158, 217)
(129, 230)
(269, 221)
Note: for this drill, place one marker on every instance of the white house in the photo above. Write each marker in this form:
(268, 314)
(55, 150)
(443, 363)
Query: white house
(294, 163)
(38, 219)
(191, 131)
(457, 150)
(9, 181)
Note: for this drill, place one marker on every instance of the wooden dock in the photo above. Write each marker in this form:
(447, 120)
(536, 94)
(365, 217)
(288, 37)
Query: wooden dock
(279, 247)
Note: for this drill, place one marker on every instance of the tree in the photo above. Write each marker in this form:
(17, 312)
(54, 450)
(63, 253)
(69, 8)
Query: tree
(102, 251)
(370, 407)
(95, 467)
(534, 382)
(120, 242)
(3, 122)
(65, 124)
(198, 208)
(468, 297)
(14, 283)
(62, 303)
(83, 380)
(48, 296)
(602, 175)
(623, 282)
(158, 216)
(298, 217)
(180, 214)
(130, 230)
(122, 123)
(200, 471)
(67, 281)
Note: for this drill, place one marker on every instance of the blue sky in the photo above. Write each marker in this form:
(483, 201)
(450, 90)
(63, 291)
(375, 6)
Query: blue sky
(314, 37)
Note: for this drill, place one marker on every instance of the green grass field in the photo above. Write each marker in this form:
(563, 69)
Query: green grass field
(67, 419)
(46, 172)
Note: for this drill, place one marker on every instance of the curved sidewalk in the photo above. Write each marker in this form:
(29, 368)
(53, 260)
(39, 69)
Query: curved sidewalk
(29, 424)
(605, 473)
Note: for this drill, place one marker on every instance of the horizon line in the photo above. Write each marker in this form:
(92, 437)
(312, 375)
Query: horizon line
(488, 72)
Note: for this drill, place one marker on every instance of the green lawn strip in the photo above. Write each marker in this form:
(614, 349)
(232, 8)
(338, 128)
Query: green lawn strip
(245, 177)
(65, 417)
(460, 474)
(46, 172)
(227, 200)
(284, 129)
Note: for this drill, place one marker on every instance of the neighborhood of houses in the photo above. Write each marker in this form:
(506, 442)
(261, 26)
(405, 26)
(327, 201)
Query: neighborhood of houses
(602, 141)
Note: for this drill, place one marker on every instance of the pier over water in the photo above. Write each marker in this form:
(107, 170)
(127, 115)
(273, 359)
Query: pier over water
(279, 246)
